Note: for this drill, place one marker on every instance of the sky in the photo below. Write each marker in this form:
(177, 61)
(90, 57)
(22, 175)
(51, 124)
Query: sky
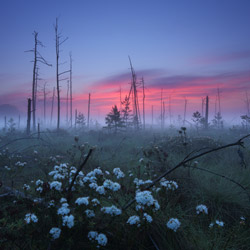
(187, 49)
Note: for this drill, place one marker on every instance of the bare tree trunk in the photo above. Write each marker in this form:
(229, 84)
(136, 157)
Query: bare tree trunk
(34, 84)
(152, 116)
(28, 117)
(57, 75)
(185, 112)
(163, 115)
(19, 121)
(161, 110)
(44, 103)
(143, 103)
(38, 130)
(5, 123)
(70, 80)
(67, 105)
(75, 117)
(52, 106)
(58, 44)
(88, 110)
(170, 111)
(206, 115)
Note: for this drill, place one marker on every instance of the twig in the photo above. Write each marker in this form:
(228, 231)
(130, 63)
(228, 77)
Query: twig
(79, 169)
(223, 176)
(183, 162)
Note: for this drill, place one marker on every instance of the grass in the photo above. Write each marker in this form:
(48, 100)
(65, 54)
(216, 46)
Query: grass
(158, 152)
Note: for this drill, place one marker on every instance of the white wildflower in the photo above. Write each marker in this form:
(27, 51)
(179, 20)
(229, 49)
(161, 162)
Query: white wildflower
(169, 185)
(26, 186)
(113, 210)
(102, 239)
(30, 218)
(147, 217)
(56, 185)
(82, 200)
(219, 223)
(201, 209)
(51, 203)
(173, 224)
(133, 220)
(39, 183)
(62, 200)
(100, 190)
(92, 235)
(93, 185)
(68, 221)
(39, 189)
(7, 168)
(89, 213)
(63, 210)
(118, 173)
(55, 232)
(95, 202)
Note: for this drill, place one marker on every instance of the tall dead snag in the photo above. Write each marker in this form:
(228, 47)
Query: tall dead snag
(143, 103)
(28, 117)
(206, 114)
(67, 105)
(37, 58)
(70, 87)
(185, 113)
(133, 93)
(59, 42)
(44, 102)
(52, 106)
(152, 116)
(161, 110)
(88, 110)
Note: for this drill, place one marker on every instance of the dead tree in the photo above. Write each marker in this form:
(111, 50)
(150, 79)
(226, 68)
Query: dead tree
(44, 102)
(185, 113)
(71, 97)
(143, 103)
(247, 104)
(161, 110)
(88, 110)
(52, 105)
(67, 104)
(37, 58)
(152, 116)
(133, 93)
(28, 117)
(206, 114)
(59, 42)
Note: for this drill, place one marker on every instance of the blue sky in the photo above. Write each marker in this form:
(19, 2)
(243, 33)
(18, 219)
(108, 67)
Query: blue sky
(175, 38)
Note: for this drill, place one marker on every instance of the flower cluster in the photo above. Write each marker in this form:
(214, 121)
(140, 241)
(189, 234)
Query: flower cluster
(26, 186)
(218, 223)
(201, 209)
(114, 186)
(55, 232)
(56, 185)
(20, 164)
(63, 210)
(134, 220)
(113, 210)
(173, 224)
(82, 200)
(68, 220)
(30, 218)
(118, 173)
(169, 185)
(100, 238)
(139, 182)
(145, 198)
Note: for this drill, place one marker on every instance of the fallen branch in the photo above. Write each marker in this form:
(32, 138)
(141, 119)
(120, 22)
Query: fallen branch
(78, 170)
(223, 176)
(185, 161)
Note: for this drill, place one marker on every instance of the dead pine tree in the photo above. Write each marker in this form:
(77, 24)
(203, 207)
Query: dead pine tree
(88, 110)
(134, 94)
(206, 114)
(28, 117)
(143, 102)
(67, 105)
(59, 42)
(37, 58)
(70, 87)
(44, 102)
(52, 106)
(185, 112)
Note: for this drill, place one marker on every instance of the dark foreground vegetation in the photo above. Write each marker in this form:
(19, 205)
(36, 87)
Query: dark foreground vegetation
(204, 203)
